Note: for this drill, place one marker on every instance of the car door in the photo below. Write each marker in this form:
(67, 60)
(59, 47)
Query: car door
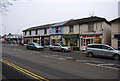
(56, 47)
(97, 50)
(31, 45)
(107, 51)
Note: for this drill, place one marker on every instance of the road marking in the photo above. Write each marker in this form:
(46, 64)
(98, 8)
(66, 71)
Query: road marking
(61, 58)
(99, 64)
(31, 74)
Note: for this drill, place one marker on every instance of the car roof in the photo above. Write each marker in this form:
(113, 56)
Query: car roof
(32, 42)
(96, 44)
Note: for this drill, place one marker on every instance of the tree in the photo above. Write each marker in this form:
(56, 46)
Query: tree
(4, 4)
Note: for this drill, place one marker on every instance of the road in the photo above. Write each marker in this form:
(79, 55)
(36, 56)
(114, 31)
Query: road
(53, 65)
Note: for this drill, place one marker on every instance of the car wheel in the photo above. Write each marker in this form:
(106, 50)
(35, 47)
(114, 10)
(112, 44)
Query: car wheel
(90, 54)
(62, 50)
(116, 57)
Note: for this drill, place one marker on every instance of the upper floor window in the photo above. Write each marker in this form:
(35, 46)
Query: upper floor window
(91, 27)
(25, 32)
(45, 31)
(30, 32)
(57, 30)
(71, 28)
(36, 32)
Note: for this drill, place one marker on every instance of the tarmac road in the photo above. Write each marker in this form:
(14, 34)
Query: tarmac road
(45, 65)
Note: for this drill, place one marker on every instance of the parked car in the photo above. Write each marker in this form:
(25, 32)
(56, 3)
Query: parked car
(59, 47)
(102, 50)
(34, 46)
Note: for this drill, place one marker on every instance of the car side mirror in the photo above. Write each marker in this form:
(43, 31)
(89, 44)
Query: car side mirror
(110, 49)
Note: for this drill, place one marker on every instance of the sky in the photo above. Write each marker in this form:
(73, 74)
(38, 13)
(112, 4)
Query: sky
(24, 14)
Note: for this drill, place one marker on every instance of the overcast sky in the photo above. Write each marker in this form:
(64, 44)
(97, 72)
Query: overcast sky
(25, 14)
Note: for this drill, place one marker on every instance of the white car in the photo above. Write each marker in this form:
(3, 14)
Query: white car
(59, 47)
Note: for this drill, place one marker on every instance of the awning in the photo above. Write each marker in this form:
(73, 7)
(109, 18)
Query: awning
(90, 34)
(70, 36)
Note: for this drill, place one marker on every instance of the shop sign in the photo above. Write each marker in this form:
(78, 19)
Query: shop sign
(36, 38)
(91, 36)
(56, 37)
(117, 36)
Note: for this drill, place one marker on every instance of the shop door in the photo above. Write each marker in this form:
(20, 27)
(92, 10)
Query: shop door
(118, 44)
(85, 42)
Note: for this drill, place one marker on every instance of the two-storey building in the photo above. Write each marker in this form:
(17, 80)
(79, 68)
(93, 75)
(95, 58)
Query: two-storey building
(115, 33)
(57, 31)
(39, 34)
(75, 33)
(81, 32)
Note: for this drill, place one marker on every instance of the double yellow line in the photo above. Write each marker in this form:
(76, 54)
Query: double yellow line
(34, 76)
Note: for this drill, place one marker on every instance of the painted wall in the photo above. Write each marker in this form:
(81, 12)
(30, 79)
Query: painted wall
(53, 30)
(41, 32)
(97, 28)
(115, 29)
(75, 30)
(106, 33)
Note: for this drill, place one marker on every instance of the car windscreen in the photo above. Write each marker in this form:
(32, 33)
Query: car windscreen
(36, 44)
(63, 45)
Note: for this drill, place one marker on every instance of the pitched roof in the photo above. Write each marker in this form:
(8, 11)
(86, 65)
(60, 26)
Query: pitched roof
(59, 24)
(87, 20)
(38, 27)
(115, 20)
(91, 19)
(46, 26)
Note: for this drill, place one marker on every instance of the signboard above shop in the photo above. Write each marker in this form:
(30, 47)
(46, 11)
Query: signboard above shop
(117, 36)
(90, 36)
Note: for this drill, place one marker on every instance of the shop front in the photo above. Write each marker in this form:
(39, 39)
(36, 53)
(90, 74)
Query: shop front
(37, 40)
(72, 41)
(32, 39)
(26, 40)
(90, 39)
(56, 39)
(45, 40)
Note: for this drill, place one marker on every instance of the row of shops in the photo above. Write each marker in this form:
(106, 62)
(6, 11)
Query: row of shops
(76, 33)
(78, 41)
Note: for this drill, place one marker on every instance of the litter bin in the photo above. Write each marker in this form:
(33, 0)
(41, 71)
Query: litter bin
(76, 48)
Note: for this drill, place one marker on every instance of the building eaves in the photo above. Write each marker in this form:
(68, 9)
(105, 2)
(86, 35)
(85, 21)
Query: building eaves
(59, 24)
(88, 20)
(38, 27)
(115, 20)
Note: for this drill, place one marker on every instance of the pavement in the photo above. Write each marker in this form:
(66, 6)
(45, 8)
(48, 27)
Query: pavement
(47, 48)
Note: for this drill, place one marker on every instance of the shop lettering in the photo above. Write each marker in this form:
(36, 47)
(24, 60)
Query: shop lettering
(91, 36)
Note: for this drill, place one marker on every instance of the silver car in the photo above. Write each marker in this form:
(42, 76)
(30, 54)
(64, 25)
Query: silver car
(102, 50)
(59, 47)
(34, 46)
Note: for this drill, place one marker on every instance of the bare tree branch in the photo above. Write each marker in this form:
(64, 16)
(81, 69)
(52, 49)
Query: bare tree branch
(4, 4)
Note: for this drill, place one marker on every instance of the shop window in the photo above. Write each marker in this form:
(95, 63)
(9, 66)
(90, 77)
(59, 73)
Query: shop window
(71, 28)
(73, 42)
(45, 31)
(97, 40)
(53, 41)
(36, 32)
(91, 27)
(57, 30)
